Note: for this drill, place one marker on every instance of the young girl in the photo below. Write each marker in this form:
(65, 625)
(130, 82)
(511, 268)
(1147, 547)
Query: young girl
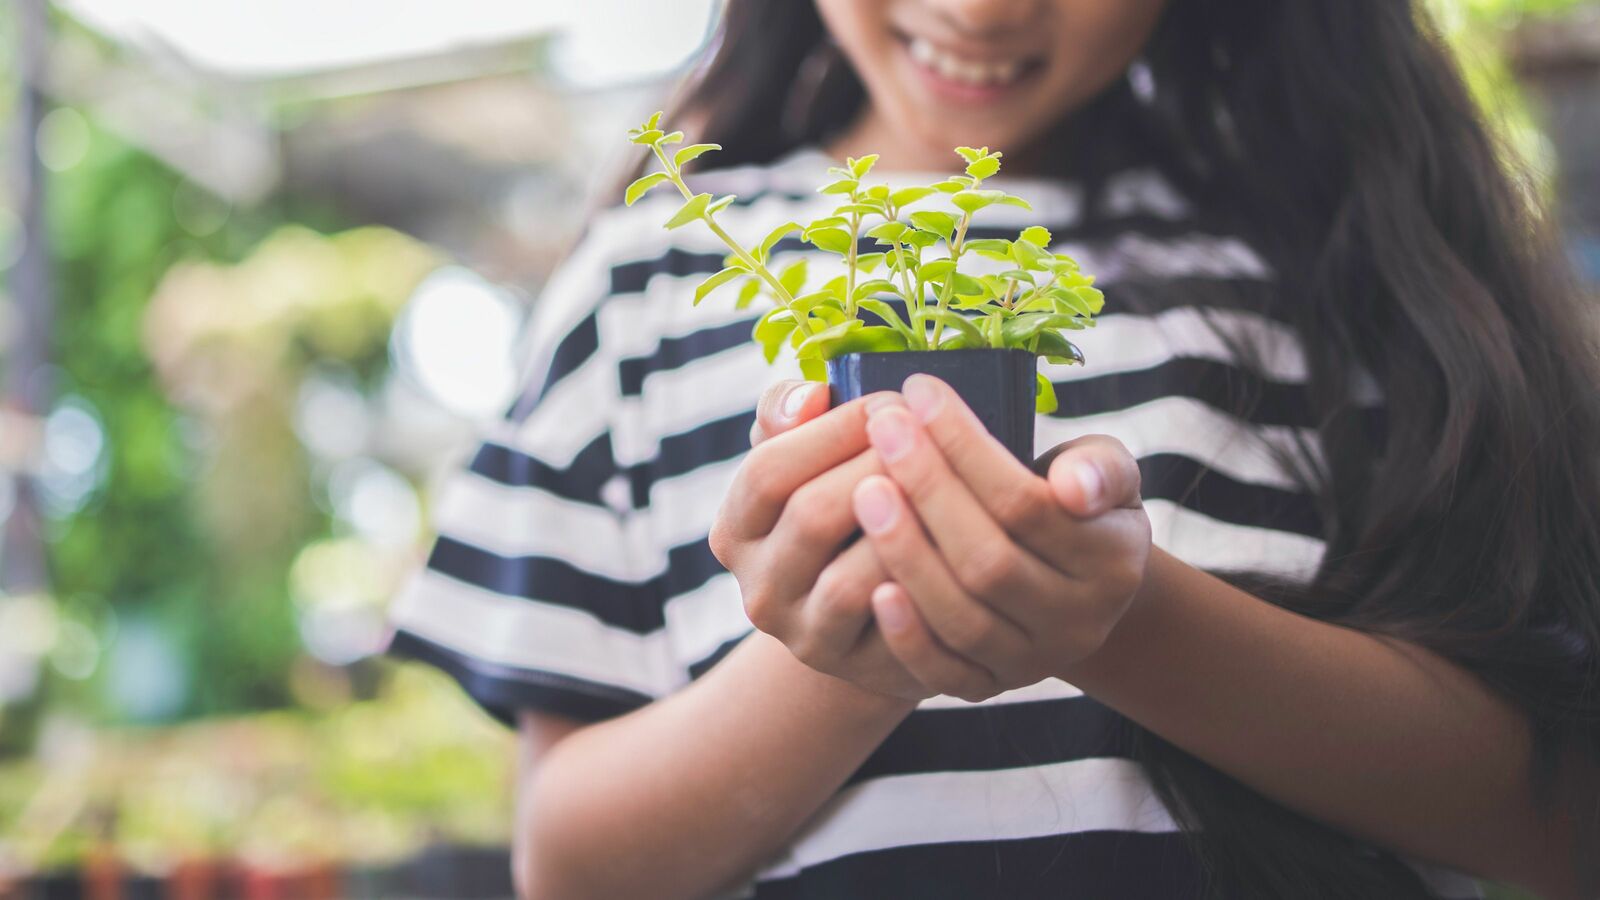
(1304, 601)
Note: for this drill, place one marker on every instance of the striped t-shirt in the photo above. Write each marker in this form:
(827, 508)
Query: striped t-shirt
(572, 573)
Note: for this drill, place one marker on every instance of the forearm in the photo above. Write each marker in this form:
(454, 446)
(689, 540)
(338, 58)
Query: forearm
(692, 793)
(1375, 737)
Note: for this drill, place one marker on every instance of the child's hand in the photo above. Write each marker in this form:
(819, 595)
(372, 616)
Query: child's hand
(783, 528)
(999, 578)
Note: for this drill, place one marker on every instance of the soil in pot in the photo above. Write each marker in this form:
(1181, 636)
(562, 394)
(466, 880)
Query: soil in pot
(999, 385)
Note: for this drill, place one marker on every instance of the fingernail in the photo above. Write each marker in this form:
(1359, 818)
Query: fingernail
(881, 401)
(875, 506)
(795, 400)
(1092, 483)
(923, 395)
(890, 612)
(890, 433)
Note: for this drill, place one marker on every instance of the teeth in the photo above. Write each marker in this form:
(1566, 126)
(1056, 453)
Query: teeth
(963, 70)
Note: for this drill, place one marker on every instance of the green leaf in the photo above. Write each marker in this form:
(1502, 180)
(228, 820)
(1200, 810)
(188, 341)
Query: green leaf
(810, 346)
(874, 287)
(764, 249)
(693, 151)
(934, 222)
(647, 137)
(1019, 330)
(966, 285)
(1044, 398)
(720, 203)
(653, 121)
(937, 269)
(878, 192)
(960, 341)
(960, 323)
(825, 222)
(866, 262)
(748, 292)
(889, 314)
(919, 238)
(1057, 349)
(861, 209)
(642, 186)
(833, 240)
(1068, 302)
(692, 209)
(1021, 275)
(1037, 235)
(772, 330)
(991, 248)
(829, 313)
(860, 167)
(1009, 200)
(972, 201)
(1028, 256)
(951, 185)
(842, 186)
(983, 168)
(866, 339)
(908, 195)
(675, 137)
(793, 277)
(969, 154)
(898, 259)
(889, 232)
(814, 369)
(716, 281)
(1092, 297)
(808, 302)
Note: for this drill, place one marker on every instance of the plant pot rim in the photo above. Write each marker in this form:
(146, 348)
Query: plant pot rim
(939, 352)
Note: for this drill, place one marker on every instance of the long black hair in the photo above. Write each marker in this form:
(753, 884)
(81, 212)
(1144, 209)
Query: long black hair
(1340, 138)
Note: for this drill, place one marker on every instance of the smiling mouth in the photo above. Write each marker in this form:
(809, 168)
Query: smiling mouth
(989, 76)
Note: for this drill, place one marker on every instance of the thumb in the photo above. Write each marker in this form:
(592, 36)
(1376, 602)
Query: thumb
(1094, 474)
(785, 405)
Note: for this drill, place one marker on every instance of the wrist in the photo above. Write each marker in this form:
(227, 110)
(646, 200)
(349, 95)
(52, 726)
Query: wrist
(1144, 611)
(843, 697)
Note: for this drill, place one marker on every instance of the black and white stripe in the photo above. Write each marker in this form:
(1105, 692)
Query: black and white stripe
(572, 573)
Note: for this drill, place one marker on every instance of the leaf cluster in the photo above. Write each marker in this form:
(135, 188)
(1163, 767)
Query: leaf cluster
(911, 269)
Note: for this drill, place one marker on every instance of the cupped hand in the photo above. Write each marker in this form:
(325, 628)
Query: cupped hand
(785, 531)
(997, 578)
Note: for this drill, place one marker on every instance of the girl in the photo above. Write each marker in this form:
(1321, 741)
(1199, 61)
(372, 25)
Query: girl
(1339, 383)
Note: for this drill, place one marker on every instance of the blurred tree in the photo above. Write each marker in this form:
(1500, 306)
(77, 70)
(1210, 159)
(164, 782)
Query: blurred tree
(134, 548)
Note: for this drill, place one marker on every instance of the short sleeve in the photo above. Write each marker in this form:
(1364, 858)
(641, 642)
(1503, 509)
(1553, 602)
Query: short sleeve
(542, 591)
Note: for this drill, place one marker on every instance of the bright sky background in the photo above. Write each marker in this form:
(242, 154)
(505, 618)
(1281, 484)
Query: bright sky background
(604, 41)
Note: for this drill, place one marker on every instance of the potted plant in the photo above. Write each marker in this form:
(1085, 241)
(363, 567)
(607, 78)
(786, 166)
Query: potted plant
(981, 332)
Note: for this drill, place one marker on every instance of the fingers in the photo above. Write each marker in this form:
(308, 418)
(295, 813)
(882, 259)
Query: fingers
(914, 645)
(984, 559)
(838, 608)
(782, 462)
(969, 628)
(1019, 501)
(1093, 475)
(785, 405)
(815, 523)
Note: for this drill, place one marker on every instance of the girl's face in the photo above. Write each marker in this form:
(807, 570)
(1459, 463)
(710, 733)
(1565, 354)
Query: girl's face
(995, 73)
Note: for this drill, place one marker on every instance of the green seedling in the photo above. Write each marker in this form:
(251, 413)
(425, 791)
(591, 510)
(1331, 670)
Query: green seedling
(1036, 297)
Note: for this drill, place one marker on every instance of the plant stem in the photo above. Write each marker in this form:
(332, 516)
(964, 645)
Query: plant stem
(950, 282)
(780, 293)
(850, 264)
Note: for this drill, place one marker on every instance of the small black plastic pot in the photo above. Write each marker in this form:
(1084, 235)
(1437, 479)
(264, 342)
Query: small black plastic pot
(998, 385)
